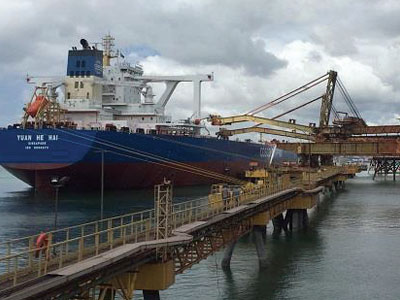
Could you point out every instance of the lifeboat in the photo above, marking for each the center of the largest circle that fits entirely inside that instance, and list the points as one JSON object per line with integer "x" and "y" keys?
{"x": 34, "y": 106}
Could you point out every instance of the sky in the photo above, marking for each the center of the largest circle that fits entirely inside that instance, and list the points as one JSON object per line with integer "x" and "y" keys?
{"x": 257, "y": 49}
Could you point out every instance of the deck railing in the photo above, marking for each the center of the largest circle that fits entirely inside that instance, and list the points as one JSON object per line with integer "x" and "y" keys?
{"x": 21, "y": 259}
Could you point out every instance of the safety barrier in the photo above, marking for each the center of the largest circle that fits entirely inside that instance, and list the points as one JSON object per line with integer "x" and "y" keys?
{"x": 21, "y": 259}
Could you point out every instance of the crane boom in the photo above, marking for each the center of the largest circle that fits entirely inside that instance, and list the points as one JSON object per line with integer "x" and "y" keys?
{"x": 348, "y": 128}
{"x": 219, "y": 121}
{"x": 229, "y": 132}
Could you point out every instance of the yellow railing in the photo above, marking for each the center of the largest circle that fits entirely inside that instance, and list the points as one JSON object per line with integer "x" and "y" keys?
{"x": 325, "y": 173}
{"x": 21, "y": 260}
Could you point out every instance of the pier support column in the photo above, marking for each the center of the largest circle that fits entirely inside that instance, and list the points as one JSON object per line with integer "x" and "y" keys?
{"x": 324, "y": 191}
{"x": 329, "y": 190}
{"x": 226, "y": 260}
{"x": 341, "y": 185}
{"x": 336, "y": 185}
{"x": 296, "y": 218}
{"x": 279, "y": 224}
{"x": 259, "y": 232}
{"x": 151, "y": 295}
{"x": 107, "y": 292}
{"x": 110, "y": 294}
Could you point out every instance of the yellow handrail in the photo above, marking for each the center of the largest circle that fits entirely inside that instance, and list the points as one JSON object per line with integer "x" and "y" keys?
{"x": 78, "y": 242}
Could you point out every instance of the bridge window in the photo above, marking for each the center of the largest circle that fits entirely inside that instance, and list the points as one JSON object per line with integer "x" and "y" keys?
{"x": 68, "y": 95}
{"x": 87, "y": 95}
{"x": 82, "y": 73}
{"x": 71, "y": 73}
{"x": 76, "y": 84}
{"x": 83, "y": 63}
{"x": 81, "y": 84}
{"x": 78, "y": 63}
{"x": 88, "y": 73}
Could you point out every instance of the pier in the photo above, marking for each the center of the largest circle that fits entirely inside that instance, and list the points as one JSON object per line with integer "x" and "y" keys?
{"x": 144, "y": 251}
{"x": 385, "y": 165}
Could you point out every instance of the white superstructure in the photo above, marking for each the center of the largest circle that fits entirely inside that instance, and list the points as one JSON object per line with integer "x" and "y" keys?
{"x": 122, "y": 96}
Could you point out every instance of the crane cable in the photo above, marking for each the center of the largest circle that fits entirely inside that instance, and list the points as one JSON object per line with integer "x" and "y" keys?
{"x": 289, "y": 95}
{"x": 348, "y": 99}
{"x": 203, "y": 148}
{"x": 209, "y": 175}
{"x": 165, "y": 161}
{"x": 296, "y": 108}
{"x": 145, "y": 160}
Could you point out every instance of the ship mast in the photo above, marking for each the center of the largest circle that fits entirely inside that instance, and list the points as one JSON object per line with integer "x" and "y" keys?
{"x": 108, "y": 44}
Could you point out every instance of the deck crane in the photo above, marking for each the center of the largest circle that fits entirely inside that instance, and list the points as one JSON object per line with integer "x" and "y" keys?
{"x": 347, "y": 131}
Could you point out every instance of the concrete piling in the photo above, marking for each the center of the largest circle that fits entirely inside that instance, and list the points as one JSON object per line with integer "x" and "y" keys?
{"x": 259, "y": 231}
{"x": 296, "y": 218}
{"x": 151, "y": 295}
{"x": 107, "y": 293}
{"x": 226, "y": 260}
{"x": 279, "y": 223}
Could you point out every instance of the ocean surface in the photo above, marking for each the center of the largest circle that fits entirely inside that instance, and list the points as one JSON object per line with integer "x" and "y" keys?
{"x": 350, "y": 250}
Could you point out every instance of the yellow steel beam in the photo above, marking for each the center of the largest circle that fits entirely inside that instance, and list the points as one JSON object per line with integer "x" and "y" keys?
{"x": 261, "y": 219}
{"x": 219, "y": 121}
{"x": 155, "y": 276}
{"x": 230, "y": 132}
{"x": 384, "y": 147}
{"x": 303, "y": 201}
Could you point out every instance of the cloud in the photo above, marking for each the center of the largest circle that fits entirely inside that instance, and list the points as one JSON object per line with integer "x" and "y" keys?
{"x": 189, "y": 34}
{"x": 258, "y": 50}
{"x": 237, "y": 93}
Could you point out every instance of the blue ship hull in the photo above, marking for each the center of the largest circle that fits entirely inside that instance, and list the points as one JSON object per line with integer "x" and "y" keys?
{"x": 131, "y": 160}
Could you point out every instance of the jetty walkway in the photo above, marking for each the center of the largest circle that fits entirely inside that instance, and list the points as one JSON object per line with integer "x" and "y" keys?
{"x": 145, "y": 250}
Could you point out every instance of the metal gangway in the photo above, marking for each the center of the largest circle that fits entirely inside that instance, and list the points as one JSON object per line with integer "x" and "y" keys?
{"x": 22, "y": 261}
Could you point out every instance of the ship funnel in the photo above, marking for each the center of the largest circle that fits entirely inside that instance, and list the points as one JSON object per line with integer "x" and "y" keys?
{"x": 85, "y": 44}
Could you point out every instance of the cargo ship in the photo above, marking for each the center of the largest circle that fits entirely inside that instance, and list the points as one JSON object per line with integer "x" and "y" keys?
{"x": 102, "y": 122}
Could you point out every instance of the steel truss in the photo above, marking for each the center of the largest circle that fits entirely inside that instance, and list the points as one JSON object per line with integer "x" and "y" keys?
{"x": 186, "y": 256}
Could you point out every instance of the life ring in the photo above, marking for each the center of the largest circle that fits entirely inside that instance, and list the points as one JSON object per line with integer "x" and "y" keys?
{"x": 41, "y": 244}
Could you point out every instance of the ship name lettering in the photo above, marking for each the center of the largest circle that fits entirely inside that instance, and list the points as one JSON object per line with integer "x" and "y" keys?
{"x": 53, "y": 137}
{"x": 40, "y": 137}
{"x": 24, "y": 137}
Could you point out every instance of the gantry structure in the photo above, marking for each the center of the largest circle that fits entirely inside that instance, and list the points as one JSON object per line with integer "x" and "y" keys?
{"x": 346, "y": 133}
